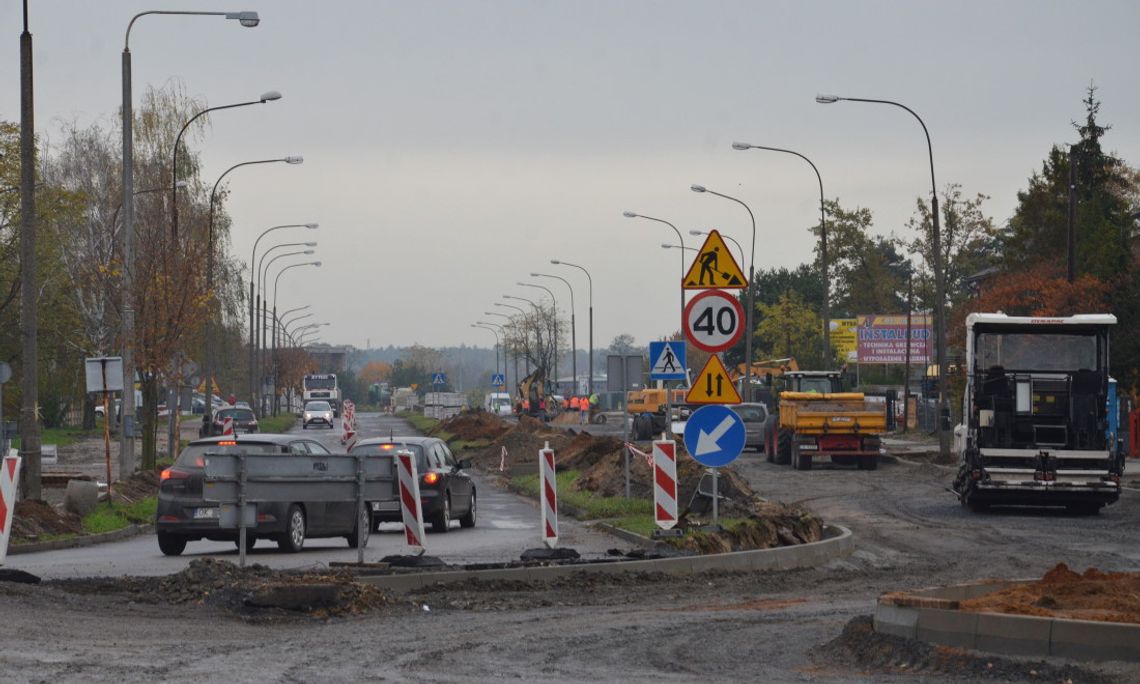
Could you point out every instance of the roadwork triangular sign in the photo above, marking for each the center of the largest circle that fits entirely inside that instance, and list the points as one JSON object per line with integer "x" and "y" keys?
{"x": 712, "y": 385}
{"x": 714, "y": 268}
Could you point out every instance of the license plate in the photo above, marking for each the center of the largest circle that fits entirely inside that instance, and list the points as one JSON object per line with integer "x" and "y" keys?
{"x": 386, "y": 505}
{"x": 206, "y": 513}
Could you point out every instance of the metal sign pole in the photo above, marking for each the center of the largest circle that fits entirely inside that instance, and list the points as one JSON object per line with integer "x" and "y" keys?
{"x": 106, "y": 428}
{"x": 361, "y": 521}
{"x": 715, "y": 474}
{"x": 241, "y": 510}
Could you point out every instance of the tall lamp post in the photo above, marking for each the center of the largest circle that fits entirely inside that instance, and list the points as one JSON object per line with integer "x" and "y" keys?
{"x": 503, "y": 331}
{"x": 127, "y": 439}
{"x": 939, "y": 285}
{"x": 537, "y": 316}
{"x": 554, "y": 303}
{"x": 630, "y": 214}
{"x": 573, "y": 326}
{"x": 487, "y": 326}
{"x": 825, "y": 275}
{"x": 750, "y": 292}
{"x": 276, "y": 281}
{"x": 263, "y": 287}
{"x": 254, "y": 271}
{"x": 207, "y": 368}
{"x": 590, "y": 281}
{"x": 526, "y": 359}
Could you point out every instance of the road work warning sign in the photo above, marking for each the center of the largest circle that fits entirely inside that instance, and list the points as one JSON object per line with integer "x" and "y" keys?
{"x": 712, "y": 385}
{"x": 714, "y": 268}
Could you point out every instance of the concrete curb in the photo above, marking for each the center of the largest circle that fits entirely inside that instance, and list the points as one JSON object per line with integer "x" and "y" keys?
{"x": 80, "y": 541}
{"x": 625, "y": 535}
{"x": 932, "y": 615}
{"x": 838, "y": 543}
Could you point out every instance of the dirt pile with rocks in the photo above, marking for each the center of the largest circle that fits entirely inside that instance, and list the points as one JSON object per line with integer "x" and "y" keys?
{"x": 36, "y": 520}
{"x": 1063, "y": 593}
{"x": 472, "y": 425}
{"x": 252, "y": 591}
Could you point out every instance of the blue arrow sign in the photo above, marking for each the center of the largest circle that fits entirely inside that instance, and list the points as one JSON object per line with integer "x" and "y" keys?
{"x": 498, "y": 379}
{"x": 439, "y": 378}
{"x": 667, "y": 360}
{"x": 714, "y": 435}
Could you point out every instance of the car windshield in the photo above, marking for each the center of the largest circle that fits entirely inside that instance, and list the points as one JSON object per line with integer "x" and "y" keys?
{"x": 318, "y": 406}
{"x": 821, "y": 385}
{"x": 390, "y": 448}
{"x": 314, "y": 382}
{"x": 1037, "y": 351}
{"x": 191, "y": 456}
{"x": 750, "y": 414}
{"x": 238, "y": 414}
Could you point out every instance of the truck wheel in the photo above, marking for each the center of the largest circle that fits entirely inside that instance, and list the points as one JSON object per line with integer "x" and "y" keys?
{"x": 783, "y": 447}
{"x": 800, "y": 461}
{"x": 869, "y": 463}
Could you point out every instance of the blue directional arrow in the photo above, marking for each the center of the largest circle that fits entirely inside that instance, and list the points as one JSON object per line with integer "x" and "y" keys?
{"x": 714, "y": 435}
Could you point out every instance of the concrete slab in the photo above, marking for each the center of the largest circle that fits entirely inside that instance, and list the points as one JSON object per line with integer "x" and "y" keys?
{"x": 1013, "y": 634}
{"x": 897, "y": 620}
{"x": 1092, "y": 640}
{"x": 947, "y": 627}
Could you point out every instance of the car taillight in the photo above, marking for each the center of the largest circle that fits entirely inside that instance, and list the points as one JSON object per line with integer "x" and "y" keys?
{"x": 227, "y": 443}
{"x": 431, "y": 478}
{"x": 173, "y": 474}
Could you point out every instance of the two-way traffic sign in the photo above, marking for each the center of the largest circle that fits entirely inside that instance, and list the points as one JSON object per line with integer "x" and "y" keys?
{"x": 667, "y": 360}
{"x": 712, "y": 385}
{"x": 714, "y": 436}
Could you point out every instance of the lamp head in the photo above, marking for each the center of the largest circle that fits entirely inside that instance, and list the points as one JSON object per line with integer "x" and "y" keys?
{"x": 317, "y": 264}
{"x": 555, "y": 261}
{"x": 665, "y": 245}
{"x": 312, "y": 226}
{"x": 535, "y": 275}
{"x": 741, "y": 146}
{"x": 270, "y": 95}
{"x": 310, "y": 244}
{"x": 629, "y": 214}
{"x": 246, "y": 19}
{"x": 696, "y": 232}
{"x": 309, "y": 251}
{"x": 697, "y": 188}
{"x": 294, "y": 158}
{"x": 827, "y": 99}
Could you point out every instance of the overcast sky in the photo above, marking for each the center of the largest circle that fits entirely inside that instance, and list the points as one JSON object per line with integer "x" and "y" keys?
{"x": 453, "y": 148}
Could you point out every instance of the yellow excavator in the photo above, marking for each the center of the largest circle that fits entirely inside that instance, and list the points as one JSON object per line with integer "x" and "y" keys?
{"x": 532, "y": 391}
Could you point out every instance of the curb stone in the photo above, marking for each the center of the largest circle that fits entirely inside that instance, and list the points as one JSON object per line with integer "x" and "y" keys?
{"x": 81, "y": 541}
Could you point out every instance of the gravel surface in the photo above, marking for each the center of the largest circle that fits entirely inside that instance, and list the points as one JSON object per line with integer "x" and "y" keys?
{"x": 762, "y": 626}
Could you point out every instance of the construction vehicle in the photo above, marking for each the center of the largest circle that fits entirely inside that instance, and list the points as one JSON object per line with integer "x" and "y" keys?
{"x": 648, "y": 408}
{"x": 817, "y": 419}
{"x": 1035, "y": 428}
{"x": 532, "y": 394}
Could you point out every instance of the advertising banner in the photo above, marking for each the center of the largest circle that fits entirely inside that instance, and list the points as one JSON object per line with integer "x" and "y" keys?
{"x": 843, "y": 338}
{"x": 882, "y": 339}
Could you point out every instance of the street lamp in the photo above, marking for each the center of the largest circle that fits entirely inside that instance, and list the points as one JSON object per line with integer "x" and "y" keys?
{"x": 939, "y": 285}
{"x": 750, "y": 292}
{"x": 496, "y": 334}
{"x": 276, "y": 281}
{"x": 554, "y": 303}
{"x": 537, "y": 331}
{"x": 127, "y": 440}
{"x": 826, "y": 277}
{"x": 253, "y": 308}
{"x": 590, "y": 381}
{"x": 207, "y": 340}
{"x": 502, "y": 330}
{"x": 630, "y": 214}
{"x": 573, "y": 328}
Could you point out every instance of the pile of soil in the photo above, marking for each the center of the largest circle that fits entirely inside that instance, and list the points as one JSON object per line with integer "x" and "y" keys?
{"x": 255, "y": 590}
{"x": 472, "y": 425}
{"x": 769, "y": 525}
{"x": 1063, "y": 593}
{"x": 872, "y": 652}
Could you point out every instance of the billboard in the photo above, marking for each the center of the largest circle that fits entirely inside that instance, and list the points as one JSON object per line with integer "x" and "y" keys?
{"x": 843, "y": 338}
{"x": 882, "y": 339}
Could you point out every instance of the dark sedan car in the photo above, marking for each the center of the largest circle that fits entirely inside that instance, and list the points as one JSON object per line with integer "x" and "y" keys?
{"x": 184, "y": 516}
{"x": 243, "y": 418}
{"x": 446, "y": 491}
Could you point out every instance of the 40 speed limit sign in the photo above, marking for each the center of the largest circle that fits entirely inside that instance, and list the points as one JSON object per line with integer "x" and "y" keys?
{"x": 714, "y": 320}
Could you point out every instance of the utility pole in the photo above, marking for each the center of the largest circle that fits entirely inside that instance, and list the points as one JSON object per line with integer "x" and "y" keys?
{"x": 29, "y": 315}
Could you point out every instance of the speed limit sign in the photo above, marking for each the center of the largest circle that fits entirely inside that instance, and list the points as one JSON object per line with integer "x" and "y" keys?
{"x": 714, "y": 320}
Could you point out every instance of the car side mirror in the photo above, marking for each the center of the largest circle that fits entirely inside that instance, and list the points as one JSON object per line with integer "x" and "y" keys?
{"x": 465, "y": 464}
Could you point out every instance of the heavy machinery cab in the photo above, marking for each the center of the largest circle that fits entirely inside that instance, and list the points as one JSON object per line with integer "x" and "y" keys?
{"x": 823, "y": 382}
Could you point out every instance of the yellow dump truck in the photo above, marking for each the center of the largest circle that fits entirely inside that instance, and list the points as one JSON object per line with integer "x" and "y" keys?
{"x": 648, "y": 409}
{"x": 843, "y": 426}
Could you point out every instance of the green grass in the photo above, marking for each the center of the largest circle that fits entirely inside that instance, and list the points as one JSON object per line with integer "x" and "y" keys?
{"x": 276, "y": 424}
{"x": 422, "y": 423}
{"x": 461, "y": 445}
{"x": 107, "y": 518}
{"x": 66, "y": 436}
{"x": 589, "y": 505}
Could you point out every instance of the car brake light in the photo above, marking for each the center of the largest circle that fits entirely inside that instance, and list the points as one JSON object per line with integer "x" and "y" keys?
{"x": 387, "y": 447}
{"x": 431, "y": 478}
{"x": 227, "y": 443}
{"x": 174, "y": 474}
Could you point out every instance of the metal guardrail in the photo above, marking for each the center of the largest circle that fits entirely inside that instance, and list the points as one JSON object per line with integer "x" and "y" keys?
{"x": 239, "y": 481}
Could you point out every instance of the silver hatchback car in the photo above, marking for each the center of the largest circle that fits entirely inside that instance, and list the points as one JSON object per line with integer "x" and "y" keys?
{"x": 317, "y": 413}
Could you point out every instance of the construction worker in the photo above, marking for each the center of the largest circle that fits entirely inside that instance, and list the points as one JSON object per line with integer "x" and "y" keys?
{"x": 593, "y": 405}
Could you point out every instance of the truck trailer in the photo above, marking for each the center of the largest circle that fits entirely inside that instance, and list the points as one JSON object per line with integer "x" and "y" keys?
{"x": 1035, "y": 428}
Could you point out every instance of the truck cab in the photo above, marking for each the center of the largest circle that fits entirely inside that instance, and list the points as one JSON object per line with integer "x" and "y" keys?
{"x": 1035, "y": 427}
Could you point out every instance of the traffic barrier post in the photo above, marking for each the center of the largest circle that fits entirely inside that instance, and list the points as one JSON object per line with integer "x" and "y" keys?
{"x": 548, "y": 495}
{"x": 410, "y": 510}
{"x": 665, "y": 483}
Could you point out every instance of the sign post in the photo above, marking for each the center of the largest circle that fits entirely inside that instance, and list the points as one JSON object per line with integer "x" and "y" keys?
{"x": 105, "y": 375}
{"x": 667, "y": 362}
{"x": 714, "y": 437}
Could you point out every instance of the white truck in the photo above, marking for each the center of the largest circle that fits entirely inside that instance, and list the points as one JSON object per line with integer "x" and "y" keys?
{"x": 322, "y": 387}
{"x": 1035, "y": 427}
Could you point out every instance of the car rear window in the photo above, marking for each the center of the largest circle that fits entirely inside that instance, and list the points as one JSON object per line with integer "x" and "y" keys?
{"x": 191, "y": 456}
{"x": 390, "y": 448}
{"x": 749, "y": 414}
{"x": 236, "y": 414}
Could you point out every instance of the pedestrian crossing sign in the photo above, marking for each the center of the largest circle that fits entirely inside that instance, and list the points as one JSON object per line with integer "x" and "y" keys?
{"x": 498, "y": 380}
{"x": 667, "y": 360}
{"x": 714, "y": 267}
{"x": 439, "y": 378}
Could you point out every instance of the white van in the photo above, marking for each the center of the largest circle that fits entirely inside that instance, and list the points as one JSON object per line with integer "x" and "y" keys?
{"x": 498, "y": 403}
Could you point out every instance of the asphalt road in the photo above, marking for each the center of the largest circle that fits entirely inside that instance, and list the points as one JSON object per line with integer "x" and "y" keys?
{"x": 507, "y": 525}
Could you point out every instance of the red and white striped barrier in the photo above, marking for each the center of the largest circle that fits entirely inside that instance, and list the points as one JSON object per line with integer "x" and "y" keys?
{"x": 348, "y": 433}
{"x": 503, "y": 459}
{"x": 665, "y": 483}
{"x": 349, "y": 411}
{"x": 9, "y": 480}
{"x": 548, "y": 496}
{"x": 634, "y": 450}
{"x": 227, "y": 426}
{"x": 410, "y": 510}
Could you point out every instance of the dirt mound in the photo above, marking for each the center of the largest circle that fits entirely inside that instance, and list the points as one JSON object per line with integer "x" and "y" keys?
{"x": 873, "y": 652}
{"x": 34, "y": 520}
{"x": 1063, "y": 593}
{"x": 252, "y": 591}
{"x": 771, "y": 524}
{"x": 472, "y": 425}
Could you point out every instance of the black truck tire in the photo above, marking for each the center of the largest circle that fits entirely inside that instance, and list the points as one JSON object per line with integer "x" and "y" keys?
{"x": 783, "y": 447}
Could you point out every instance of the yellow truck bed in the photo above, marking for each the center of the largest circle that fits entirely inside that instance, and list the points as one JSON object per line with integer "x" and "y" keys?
{"x": 848, "y": 413}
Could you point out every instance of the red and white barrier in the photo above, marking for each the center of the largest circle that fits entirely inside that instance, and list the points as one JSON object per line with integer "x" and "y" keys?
{"x": 410, "y": 509}
{"x": 638, "y": 452}
{"x": 348, "y": 431}
{"x": 227, "y": 426}
{"x": 9, "y": 480}
{"x": 503, "y": 459}
{"x": 349, "y": 412}
{"x": 665, "y": 483}
{"x": 548, "y": 495}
